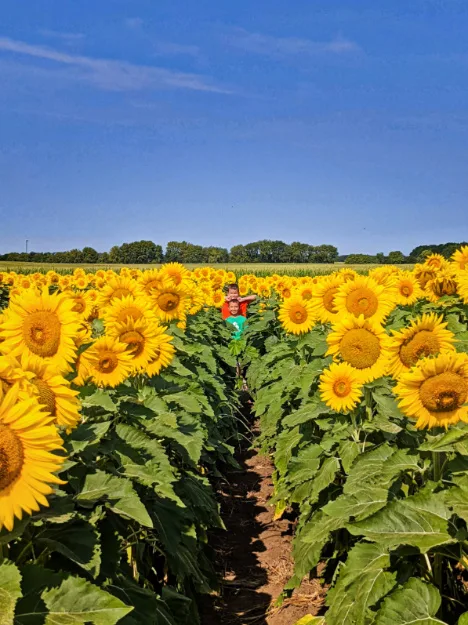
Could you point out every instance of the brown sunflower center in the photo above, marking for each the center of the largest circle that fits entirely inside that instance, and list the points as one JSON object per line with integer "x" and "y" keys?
{"x": 168, "y": 301}
{"x": 298, "y": 314}
{"x": 135, "y": 342}
{"x": 362, "y": 301}
{"x": 130, "y": 311}
{"x": 421, "y": 345}
{"x": 11, "y": 457}
{"x": 120, "y": 293}
{"x": 107, "y": 362}
{"x": 41, "y": 333}
{"x": 446, "y": 286}
{"x": 406, "y": 289}
{"x": 341, "y": 388}
{"x": 307, "y": 294}
{"x": 328, "y": 299}
{"x": 360, "y": 348}
{"x": 79, "y": 305}
{"x": 46, "y": 396}
{"x": 286, "y": 293}
{"x": 444, "y": 392}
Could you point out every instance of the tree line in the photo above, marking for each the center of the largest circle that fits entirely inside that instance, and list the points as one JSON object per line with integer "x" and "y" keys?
{"x": 417, "y": 255}
{"x": 264, "y": 251}
{"x": 146, "y": 252}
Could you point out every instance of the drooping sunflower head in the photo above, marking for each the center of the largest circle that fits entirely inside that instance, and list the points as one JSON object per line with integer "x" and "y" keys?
{"x": 426, "y": 336}
{"x": 424, "y": 273}
{"x": 296, "y": 315}
{"x": 435, "y": 391}
{"x": 340, "y": 387}
{"x": 361, "y": 343}
{"x": 27, "y": 462}
{"x": 407, "y": 289}
{"x": 444, "y": 283}
{"x": 323, "y": 297}
{"x": 43, "y": 325}
{"x": 107, "y": 362}
{"x": 364, "y": 296}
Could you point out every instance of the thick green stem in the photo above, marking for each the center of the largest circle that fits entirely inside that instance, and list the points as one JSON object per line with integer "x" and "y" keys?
{"x": 437, "y": 461}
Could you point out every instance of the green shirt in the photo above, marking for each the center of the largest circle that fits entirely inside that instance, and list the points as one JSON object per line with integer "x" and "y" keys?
{"x": 239, "y": 324}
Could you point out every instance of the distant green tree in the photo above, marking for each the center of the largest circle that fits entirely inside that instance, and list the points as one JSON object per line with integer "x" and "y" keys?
{"x": 380, "y": 257}
{"x": 360, "y": 259}
{"x": 89, "y": 255}
{"x": 396, "y": 258}
{"x": 238, "y": 254}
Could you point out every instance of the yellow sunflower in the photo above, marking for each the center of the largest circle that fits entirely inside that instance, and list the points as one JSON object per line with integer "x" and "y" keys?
{"x": 169, "y": 301}
{"x": 407, "y": 289}
{"x": 163, "y": 353}
{"x": 218, "y": 298}
{"x": 340, "y": 387}
{"x": 107, "y": 362}
{"x": 460, "y": 258}
{"x": 435, "y": 261}
{"x": 116, "y": 288}
{"x": 140, "y": 338}
{"x": 463, "y": 288}
{"x": 129, "y": 307}
{"x": 27, "y": 464}
{"x": 82, "y": 303}
{"x": 42, "y": 325}
{"x": 151, "y": 281}
{"x": 364, "y": 296}
{"x": 53, "y": 392}
{"x": 296, "y": 315}
{"x": 435, "y": 391}
{"x": 175, "y": 272}
{"x": 10, "y": 373}
{"x": 426, "y": 336}
{"x": 323, "y": 297}
{"x": 361, "y": 343}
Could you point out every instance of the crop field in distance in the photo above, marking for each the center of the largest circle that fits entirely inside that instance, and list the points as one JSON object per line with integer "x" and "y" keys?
{"x": 260, "y": 269}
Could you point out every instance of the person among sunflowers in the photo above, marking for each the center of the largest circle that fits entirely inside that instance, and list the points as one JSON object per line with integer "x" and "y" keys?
{"x": 235, "y": 319}
{"x": 233, "y": 294}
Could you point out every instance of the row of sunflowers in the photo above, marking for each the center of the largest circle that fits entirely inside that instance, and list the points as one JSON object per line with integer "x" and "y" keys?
{"x": 117, "y": 402}
{"x": 361, "y": 389}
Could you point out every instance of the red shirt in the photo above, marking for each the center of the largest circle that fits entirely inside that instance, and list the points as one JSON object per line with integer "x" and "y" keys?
{"x": 242, "y": 309}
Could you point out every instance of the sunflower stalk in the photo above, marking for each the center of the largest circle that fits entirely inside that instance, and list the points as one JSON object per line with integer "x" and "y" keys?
{"x": 437, "y": 462}
{"x": 369, "y": 403}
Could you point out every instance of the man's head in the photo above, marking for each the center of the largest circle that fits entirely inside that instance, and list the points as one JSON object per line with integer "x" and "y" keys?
{"x": 234, "y": 307}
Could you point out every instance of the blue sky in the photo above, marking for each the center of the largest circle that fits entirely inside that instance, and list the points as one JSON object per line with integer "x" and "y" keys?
{"x": 225, "y": 122}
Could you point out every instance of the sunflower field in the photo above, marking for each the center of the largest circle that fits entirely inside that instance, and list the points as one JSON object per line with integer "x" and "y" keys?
{"x": 119, "y": 405}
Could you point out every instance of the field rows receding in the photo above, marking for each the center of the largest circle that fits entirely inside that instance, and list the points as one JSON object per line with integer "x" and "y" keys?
{"x": 263, "y": 269}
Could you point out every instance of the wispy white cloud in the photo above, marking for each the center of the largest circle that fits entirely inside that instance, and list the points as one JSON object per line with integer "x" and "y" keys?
{"x": 174, "y": 49}
{"x": 113, "y": 75}
{"x": 280, "y": 47}
{"x": 66, "y": 37}
{"x": 135, "y": 23}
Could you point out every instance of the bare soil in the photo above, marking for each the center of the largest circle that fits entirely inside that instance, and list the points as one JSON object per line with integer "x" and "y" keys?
{"x": 254, "y": 554}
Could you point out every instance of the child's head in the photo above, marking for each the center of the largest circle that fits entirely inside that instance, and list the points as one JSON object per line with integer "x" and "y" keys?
{"x": 233, "y": 290}
{"x": 234, "y": 307}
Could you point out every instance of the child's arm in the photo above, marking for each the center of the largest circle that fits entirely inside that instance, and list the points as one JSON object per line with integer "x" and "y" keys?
{"x": 249, "y": 298}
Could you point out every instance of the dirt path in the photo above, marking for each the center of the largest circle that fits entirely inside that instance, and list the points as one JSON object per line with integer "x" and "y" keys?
{"x": 254, "y": 555}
